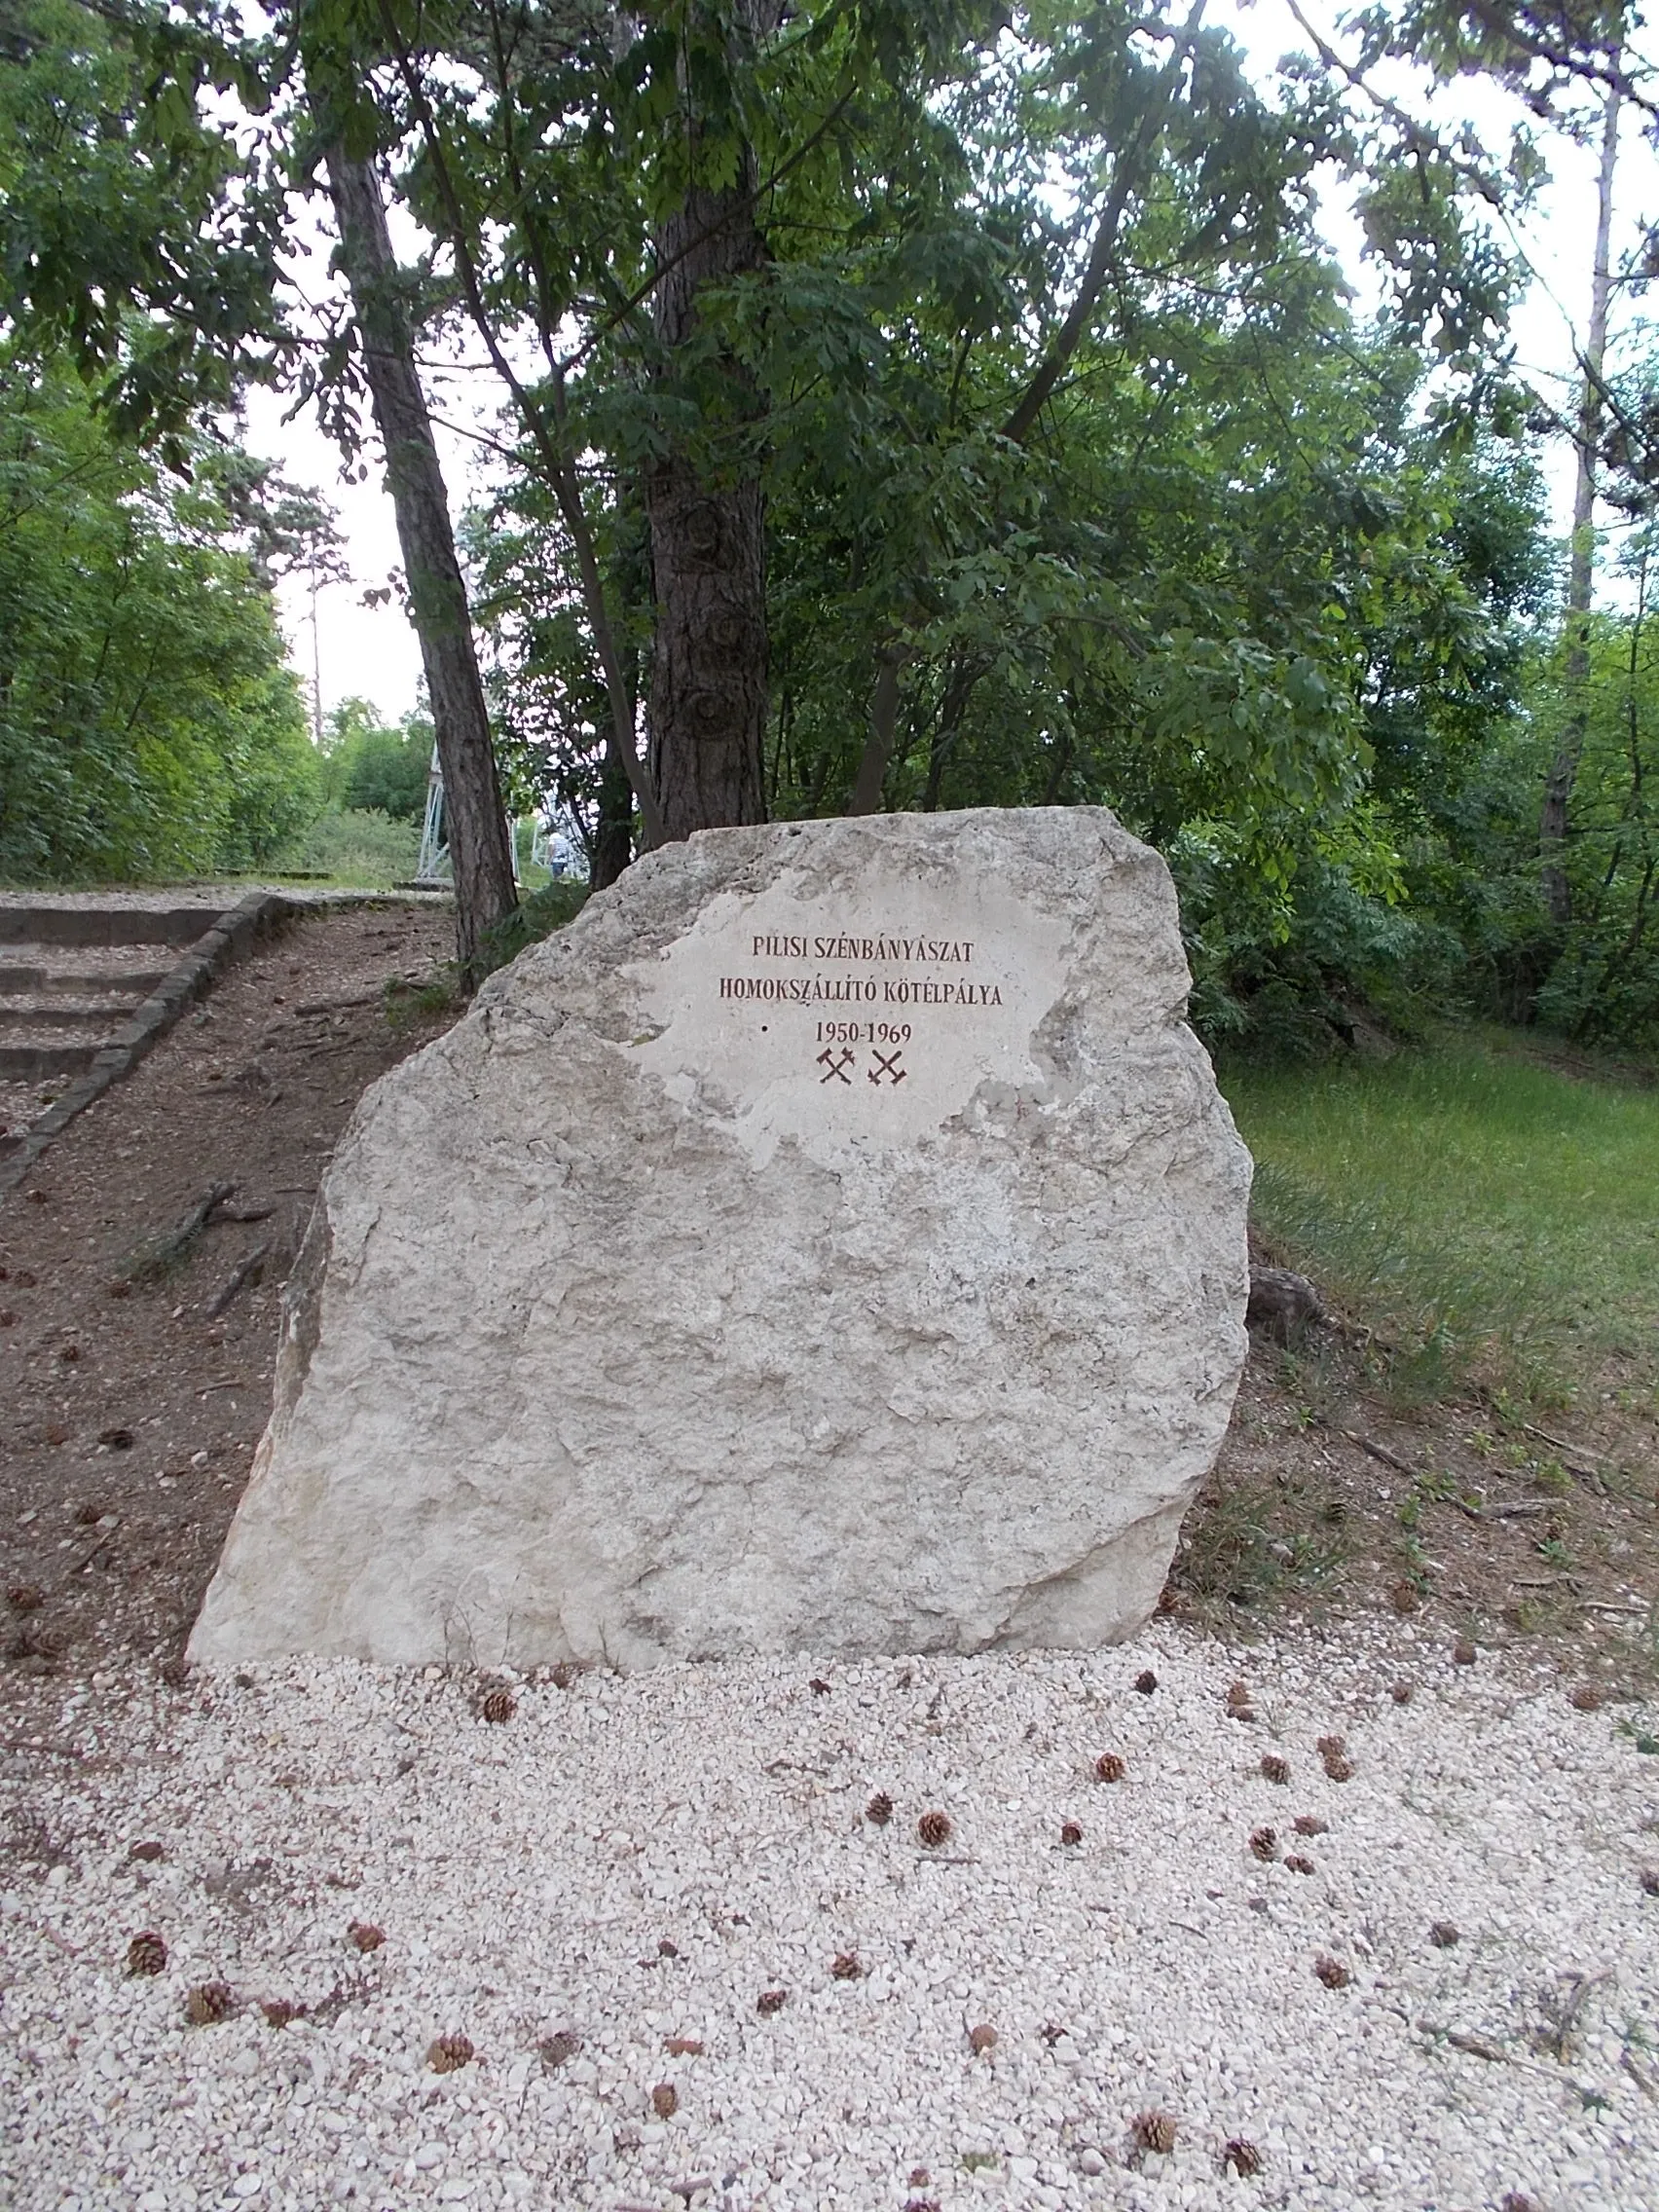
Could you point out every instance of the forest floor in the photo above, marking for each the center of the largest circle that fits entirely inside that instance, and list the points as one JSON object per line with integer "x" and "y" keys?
{"x": 132, "y": 1393}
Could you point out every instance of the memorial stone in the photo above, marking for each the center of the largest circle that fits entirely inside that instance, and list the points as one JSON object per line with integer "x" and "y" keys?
{"x": 832, "y": 1242}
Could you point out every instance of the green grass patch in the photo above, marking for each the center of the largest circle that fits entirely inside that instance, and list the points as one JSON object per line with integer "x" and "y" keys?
{"x": 1473, "y": 1208}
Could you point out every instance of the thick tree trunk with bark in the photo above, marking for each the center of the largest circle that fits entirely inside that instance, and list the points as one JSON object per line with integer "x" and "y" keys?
{"x": 480, "y": 852}
{"x": 613, "y": 830}
{"x": 1563, "y": 769}
{"x": 708, "y": 695}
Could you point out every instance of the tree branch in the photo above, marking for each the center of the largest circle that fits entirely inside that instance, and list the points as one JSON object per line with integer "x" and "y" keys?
{"x": 560, "y": 475}
{"x": 1126, "y": 174}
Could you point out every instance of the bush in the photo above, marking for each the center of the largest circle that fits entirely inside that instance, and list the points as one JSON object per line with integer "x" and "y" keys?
{"x": 356, "y": 845}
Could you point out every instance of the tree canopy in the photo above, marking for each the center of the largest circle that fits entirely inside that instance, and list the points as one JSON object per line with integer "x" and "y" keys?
{"x": 932, "y": 405}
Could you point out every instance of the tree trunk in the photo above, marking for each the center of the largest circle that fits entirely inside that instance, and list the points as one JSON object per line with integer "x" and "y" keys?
{"x": 1563, "y": 769}
{"x": 883, "y": 722}
{"x": 708, "y": 696}
{"x": 612, "y": 846}
{"x": 480, "y": 853}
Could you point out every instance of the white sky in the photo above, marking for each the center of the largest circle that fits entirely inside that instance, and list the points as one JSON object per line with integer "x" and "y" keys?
{"x": 371, "y": 652}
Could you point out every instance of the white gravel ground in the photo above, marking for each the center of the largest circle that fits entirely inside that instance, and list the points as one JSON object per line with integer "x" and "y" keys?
{"x": 632, "y": 1860}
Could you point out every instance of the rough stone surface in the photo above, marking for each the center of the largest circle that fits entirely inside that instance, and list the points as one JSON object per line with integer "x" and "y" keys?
{"x": 649, "y": 1314}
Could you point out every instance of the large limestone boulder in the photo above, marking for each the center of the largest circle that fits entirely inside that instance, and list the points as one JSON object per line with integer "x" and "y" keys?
{"x": 832, "y": 1242}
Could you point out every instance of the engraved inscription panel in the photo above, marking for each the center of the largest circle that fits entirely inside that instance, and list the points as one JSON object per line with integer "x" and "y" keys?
{"x": 867, "y": 1019}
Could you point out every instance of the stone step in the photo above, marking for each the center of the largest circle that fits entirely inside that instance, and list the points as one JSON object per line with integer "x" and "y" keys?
{"x": 47, "y": 923}
{"x": 98, "y": 1015}
{"x": 34, "y": 1057}
{"x": 20, "y": 982}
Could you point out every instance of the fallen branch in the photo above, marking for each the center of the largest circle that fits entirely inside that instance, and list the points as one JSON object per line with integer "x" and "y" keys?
{"x": 1477, "y": 2046}
{"x": 340, "y": 1006}
{"x": 1562, "y": 1445}
{"x": 1380, "y": 1452}
{"x": 157, "y": 1254}
{"x": 239, "y": 1276}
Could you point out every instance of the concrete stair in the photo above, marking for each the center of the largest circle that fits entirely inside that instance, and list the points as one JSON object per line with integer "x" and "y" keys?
{"x": 79, "y": 983}
{"x": 73, "y": 985}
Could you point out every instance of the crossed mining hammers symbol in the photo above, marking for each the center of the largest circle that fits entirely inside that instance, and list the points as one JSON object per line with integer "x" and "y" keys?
{"x": 834, "y": 1067}
{"x": 888, "y": 1066}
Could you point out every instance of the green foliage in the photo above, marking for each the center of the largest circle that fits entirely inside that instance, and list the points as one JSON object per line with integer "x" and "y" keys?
{"x": 370, "y": 764}
{"x": 356, "y": 846}
{"x": 1603, "y": 984}
{"x": 1469, "y": 1204}
{"x": 148, "y": 723}
{"x": 533, "y": 918}
{"x": 1082, "y": 483}
{"x": 1174, "y": 595}
{"x": 122, "y": 190}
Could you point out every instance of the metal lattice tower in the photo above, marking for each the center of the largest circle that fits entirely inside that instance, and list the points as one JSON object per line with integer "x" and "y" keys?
{"x": 433, "y": 869}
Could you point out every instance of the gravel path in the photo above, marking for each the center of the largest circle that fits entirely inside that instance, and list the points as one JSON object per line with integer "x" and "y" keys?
{"x": 622, "y": 1863}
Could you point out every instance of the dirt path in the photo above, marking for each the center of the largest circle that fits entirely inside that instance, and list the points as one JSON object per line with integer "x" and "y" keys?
{"x": 127, "y": 1412}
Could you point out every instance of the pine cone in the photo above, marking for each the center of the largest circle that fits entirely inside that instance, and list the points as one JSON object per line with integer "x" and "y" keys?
{"x": 448, "y": 2055}
{"x": 1332, "y": 1747}
{"x": 934, "y": 1828}
{"x": 1146, "y": 1683}
{"x": 1242, "y": 2158}
{"x": 565, "y": 1674}
{"x": 1155, "y": 2132}
{"x": 26, "y": 1597}
{"x": 1339, "y": 1769}
{"x": 146, "y": 1954}
{"x": 1405, "y": 1598}
{"x": 1332, "y": 1973}
{"x": 665, "y": 2100}
{"x": 1275, "y": 1768}
{"x": 1070, "y": 1833}
{"x": 498, "y": 1706}
{"x": 771, "y": 2001}
{"x": 1298, "y": 1865}
{"x": 1109, "y": 1768}
{"x": 1237, "y": 1697}
{"x": 1402, "y": 1693}
{"x": 846, "y": 1967}
{"x": 879, "y": 1811}
{"x": 147, "y": 1853}
{"x": 279, "y": 2011}
{"x": 1650, "y": 1880}
{"x": 210, "y": 2001}
{"x": 1310, "y": 1823}
{"x": 1464, "y": 1653}
{"x": 559, "y": 2047}
{"x": 683, "y": 2047}
{"x": 1586, "y": 1698}
{"x": 1264, "y": 1843}
{"x": 982, "y": 2037}
{"x": 1443, "y": 1936}
{"x": 365, "y": 1934}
